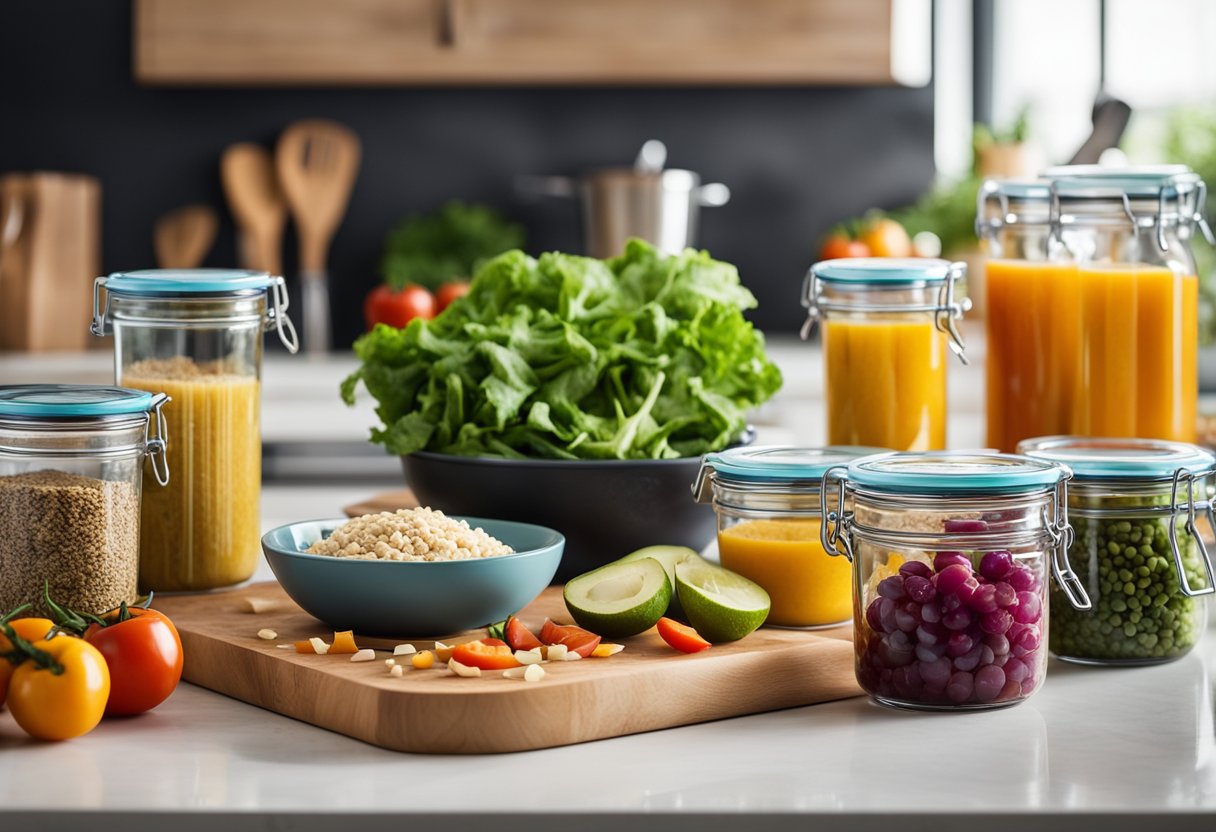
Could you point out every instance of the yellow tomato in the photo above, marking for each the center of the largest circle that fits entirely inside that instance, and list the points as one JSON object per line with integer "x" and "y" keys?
{"x": 64, "y": 700}
{"x": 30, "y": 629}
{"x": 887, "y": 238}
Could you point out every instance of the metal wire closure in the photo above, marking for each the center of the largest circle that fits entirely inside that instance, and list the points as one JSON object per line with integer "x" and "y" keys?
{"x": 1182, "y": 477}
{"x": 100, "y": 315}
{"x": 1060, "y": 531}
{"x": 277, "y": 316}
{"x": 946, "y": 311}
{"x": 157, "y": 444}
{"x": 1169, "y": 203}
{"x": 835, "y": 531}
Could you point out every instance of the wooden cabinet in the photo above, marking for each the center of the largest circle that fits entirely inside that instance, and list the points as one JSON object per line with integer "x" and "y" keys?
{"x": 426, "y": 42}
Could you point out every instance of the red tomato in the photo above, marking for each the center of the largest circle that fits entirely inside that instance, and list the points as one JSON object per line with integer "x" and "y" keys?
{"x": 681, "y": 636}
{"x": 838, "y": 245}
{"x": 144, "y": 655}
{"x": 519, "y": 636}
{"x": 448, "y": 292}
{"x": 575, "y": 638}
{"x": 488, "y": 654}
{"x": 384, "y": 306}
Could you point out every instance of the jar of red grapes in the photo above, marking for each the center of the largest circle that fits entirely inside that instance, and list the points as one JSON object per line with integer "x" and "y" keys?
{"x": 951, "y": 556}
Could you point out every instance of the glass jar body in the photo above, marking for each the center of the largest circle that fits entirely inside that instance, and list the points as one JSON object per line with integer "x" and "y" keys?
{"x": 202, "y": 531}
{"x": 69, "y": 511}
{"x": 1092, "y": 325}
{"x": 950, "y": 599}
{"x": 885, "y": 378}
{"x": 1123, "y": 553}
{"x": 770, "y": 534}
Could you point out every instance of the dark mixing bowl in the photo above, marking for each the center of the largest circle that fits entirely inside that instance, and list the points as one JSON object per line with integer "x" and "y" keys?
{"x": 606, "y": 509}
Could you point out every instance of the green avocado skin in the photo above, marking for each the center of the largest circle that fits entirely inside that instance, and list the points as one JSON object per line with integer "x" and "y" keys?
{"x": 619, "y": 625}
{"x": 1139, "y": 615}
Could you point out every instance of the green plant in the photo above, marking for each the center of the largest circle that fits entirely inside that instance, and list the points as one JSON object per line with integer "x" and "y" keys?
{"x": 446, "y": 244}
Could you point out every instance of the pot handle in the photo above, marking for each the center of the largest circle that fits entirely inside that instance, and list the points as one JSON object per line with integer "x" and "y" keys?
{"x": 530, "y": 186}
{"x": 713, "y": 195}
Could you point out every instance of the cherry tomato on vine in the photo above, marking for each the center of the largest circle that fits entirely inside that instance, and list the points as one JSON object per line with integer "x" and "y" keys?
{"x": 144, "y": 653}
{"x": 62, "y": 692}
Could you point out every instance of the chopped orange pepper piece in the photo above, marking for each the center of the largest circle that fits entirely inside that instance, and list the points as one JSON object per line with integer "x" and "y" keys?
{"x": 304, "y": 647}
{"x": 344, "y": 642}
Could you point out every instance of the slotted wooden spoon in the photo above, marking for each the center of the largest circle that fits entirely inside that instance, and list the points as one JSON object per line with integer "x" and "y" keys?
{"x": 183, "y": 236}
{"x": 252, "y": 186}
{"x": 317, "y": 161}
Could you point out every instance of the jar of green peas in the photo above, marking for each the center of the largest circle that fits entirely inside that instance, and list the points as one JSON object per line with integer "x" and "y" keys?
{"x": 1134, "y": 506}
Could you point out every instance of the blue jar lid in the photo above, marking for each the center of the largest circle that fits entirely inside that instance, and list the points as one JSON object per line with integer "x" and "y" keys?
{"x": 940, "y": 473}
{"x": 188, "y": 282}
{"x": 1027, "y": 189}
{"x": 1144, "y": 181}
{"x": 58, "y": 400}
{"x": 1102, "y": 458}
{"x": 883, "y": 271}
{"x": 785, "y": 463}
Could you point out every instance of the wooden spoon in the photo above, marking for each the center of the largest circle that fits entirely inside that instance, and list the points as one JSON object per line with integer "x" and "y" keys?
{"x": 257, "y": 203}
{"x": 317, "y": 161}
{"x": 184, "y": 236}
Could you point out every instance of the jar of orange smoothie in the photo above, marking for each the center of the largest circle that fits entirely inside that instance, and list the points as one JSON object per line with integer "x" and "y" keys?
{"x": 769, "y": 512}
{"x": 196, "y": 335}
{"x": 887, "y": 324}
{"x": 1093, "y": 303}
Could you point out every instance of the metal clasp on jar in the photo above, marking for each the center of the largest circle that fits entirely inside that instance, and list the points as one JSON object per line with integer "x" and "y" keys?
{"x": 1060, "y": 531}
{"x": 1182, "y": 477}
{"x": 157, "y": 444}
{"x": 835, "y": 530}
{"x": 277, "y": 318}
{"x": 101, "y": 314}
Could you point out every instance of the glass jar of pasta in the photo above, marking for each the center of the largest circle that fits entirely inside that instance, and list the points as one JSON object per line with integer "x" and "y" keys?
{"x": 197, "y": 336}
{"x": 886, "y": 323}
{"x": 1134, "y": 504}
{"x": 951, "y": 553}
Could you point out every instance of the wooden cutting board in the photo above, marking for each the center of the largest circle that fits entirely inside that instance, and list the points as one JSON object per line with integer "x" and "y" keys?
{"x": 647, "y": 687}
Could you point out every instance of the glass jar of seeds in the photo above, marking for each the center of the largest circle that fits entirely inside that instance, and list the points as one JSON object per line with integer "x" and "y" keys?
{"x": 71, "y": 470}
{"x": 1134, "y": 505}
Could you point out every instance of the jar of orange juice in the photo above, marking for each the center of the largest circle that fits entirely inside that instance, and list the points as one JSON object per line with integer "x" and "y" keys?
{"x": 196, "y": 335}
{"x": 887, "y": 323}
{"x": 1093, "y": 328}
{"x": 768, "y": 507}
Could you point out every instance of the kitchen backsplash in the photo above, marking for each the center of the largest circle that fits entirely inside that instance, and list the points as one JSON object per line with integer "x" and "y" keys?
{"x": 796, "y": 159}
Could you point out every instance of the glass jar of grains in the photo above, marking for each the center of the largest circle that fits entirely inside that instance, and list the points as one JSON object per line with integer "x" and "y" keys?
{"x": 197, "y": 335}
{"x": 950, "y": 554}
{"x": 1133, "y": 503}
{"x": 71, "y": 471}
{"x": 768, "y": 508}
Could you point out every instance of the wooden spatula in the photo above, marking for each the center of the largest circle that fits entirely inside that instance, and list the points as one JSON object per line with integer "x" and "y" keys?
{"x": 184, "y": 236}
{"x": 317, "y": 161}
{"x": 256, "y": 200}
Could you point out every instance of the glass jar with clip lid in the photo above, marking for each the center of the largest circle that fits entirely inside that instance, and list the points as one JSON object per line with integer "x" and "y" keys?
{"x": 1134, "y": 504}
{"x": 887, "y": 323}
{"x": 951, "y": 553}
{"x": 196, "y": 334}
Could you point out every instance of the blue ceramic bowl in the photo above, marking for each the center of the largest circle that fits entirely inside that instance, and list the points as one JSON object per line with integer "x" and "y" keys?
{"x": 408, "y": 598}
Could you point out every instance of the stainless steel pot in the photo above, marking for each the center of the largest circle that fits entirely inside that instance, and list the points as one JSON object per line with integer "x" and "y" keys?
{"x": 646, "y": 201}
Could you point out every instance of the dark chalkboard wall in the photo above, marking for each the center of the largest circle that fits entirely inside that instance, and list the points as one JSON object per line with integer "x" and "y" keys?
{"x": 796, "y": 159}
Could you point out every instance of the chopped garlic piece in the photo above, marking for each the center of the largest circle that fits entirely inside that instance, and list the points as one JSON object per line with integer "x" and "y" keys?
{"x": 404, "y": 650}
{"x": 260, "y": 605}
{"x": 533, "y": 673}
{"x": 397, "y": 670}
{"x": 463, "y": 670}
{"x": 364, "y": 655}
{"x": 570, "y": 656}
{"x": 267, "y": 634}
{"x": 528, "y": 657}
{"x": 556, "y": 652}
{"x": 319, "y": 647}
{"x": 514, "y": 673}
{"x": 605, "y": 649}
{"x": 286, "y": 646}
{"x": 390, "y": 663}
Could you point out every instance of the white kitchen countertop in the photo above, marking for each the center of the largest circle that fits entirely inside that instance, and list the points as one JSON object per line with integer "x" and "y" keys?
{"x": 1093, "y": 745}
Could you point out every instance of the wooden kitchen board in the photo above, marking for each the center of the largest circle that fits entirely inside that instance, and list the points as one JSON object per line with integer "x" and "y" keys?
{"x": 647, "y": 687}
